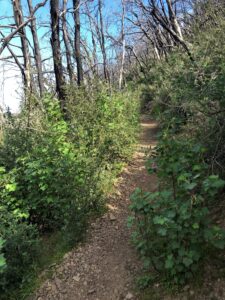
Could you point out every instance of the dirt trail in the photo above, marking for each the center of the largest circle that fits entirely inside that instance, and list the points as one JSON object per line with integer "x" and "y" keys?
{"x": 104, "y": 267}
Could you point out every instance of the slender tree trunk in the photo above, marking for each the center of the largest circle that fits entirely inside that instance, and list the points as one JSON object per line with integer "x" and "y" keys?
{"x": 173, "y": 20}
{"x": 94, "y": 55}
{"x": 95, "y": 59}
{"x": 77, "y": 43}
{"x": 123, "y": 45}
{"x": 37, "y": 52}
{"x": 156, "y": 53}
{"x": 102, "y": 42}
{"x": 67, "y": 43}
{"x": 174, "y": 34}
{"x": 18, "y": 15}
{"x": 57, "y": 57}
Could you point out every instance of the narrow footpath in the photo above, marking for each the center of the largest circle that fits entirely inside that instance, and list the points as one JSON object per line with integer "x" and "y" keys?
{"x": 105, "y": 266}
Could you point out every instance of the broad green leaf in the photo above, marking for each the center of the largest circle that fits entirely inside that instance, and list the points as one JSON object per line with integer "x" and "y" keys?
{"x": 187, "y": 261}
{"x": 169, "y": 262}
{"x": 11, "y": 187}
{"x": 162, "y": 231}
{"x": 159, "y": 220}
{"x": 195, "y": 226}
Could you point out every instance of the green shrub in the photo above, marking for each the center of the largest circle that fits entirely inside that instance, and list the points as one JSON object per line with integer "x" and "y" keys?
{"x": 54, "y": 173}
{"x": 20, "y": 249}
{"x": 188, "y": 97}
{"x": 173, "y": 228}
{"x": 173, "y": 225}
{"x": 106, "y": 120}
{"x": 104, "y": 125}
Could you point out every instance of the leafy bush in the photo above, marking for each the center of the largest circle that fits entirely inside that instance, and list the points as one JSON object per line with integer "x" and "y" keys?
{"x": 173, "y": 227}
{"x": 108, "y": 120}
{"x": 20, "y": 249}
{"x": 104, "y": 124}
{"x": 54, "y": 173}
{"x": 188, "y": 97}
{"x": 47, "y": 193}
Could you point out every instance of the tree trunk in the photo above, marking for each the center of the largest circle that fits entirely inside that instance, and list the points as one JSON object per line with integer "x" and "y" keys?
{"x": 174, "y": 34}
{"x": 123, "y": 46}
{"x": 102, "y": 42}
{"x": 37, "y": 52}
{"x": 94, "y": 52}
{"x": 77, "y": 43}
{"x": 19, "y": 20}
{"x": 57, "y": 57}
{"x": 173, "y": 20}
{"x": 67, "y": 43}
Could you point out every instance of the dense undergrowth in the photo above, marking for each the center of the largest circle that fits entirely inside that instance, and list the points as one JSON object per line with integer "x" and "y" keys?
{"x": 174, "y": 229}
{"x": 55, "y": 174}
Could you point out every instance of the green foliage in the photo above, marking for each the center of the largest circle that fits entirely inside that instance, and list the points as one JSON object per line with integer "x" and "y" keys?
{"x": 2, "y": 258}
{"x": 20, "y": 249}
{"x": 104, "y": 124}
{"x": 54, "y": 173}
{"x": 173, "y": 228}
{"x": 188, "y": 98}
{"x": 47, "y": 193}
{"x": 173, "y": 225}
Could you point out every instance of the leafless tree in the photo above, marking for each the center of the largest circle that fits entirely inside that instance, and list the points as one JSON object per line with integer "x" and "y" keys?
{"x": 77, "y": 41}
{"x": 92, "y": 27}
{"x": 56, "y": 51}
{"x": 37, "y": 52}
{"x": 66, "y": 39}
{"x": 19, "y": 20}
{"x": 123, "y": 44}
{"x": 101, "y": 34}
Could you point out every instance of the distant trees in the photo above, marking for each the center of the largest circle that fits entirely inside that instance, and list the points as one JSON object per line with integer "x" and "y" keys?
{"x": 89, "y": 42}
{"x": 18, "y": 29}
{"x": 159, "y": 23}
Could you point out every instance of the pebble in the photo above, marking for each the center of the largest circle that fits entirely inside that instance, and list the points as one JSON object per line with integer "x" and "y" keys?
{"x": 76, "y": 278}
{"x": 129, "y": 296}
{"x": 92, "y": 291}
{"x": 186, "y": 288}
{"x": 112, "y": 217}
{"x": 66, "y": 255}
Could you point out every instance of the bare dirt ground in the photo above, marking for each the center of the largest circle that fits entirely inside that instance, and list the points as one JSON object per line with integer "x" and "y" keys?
{"x": 105, "y": 266}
